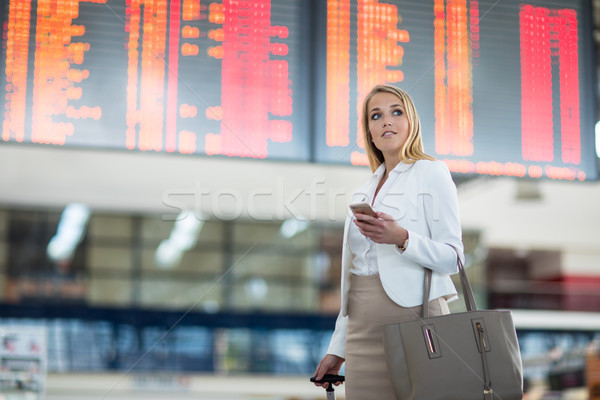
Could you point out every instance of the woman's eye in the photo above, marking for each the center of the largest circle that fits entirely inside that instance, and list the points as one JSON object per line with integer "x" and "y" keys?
{"x": 375, "y": 116}
{"x": 397, "y": 112}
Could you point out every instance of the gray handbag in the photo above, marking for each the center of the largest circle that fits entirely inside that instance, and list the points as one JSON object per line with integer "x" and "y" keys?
{"x": 463, "y": 356}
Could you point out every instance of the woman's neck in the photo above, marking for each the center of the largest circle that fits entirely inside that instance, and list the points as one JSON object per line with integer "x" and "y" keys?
{"x": 390, "y": 164}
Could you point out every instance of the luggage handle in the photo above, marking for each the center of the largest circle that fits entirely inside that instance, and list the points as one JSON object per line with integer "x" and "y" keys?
{"x": 329, "y": 378}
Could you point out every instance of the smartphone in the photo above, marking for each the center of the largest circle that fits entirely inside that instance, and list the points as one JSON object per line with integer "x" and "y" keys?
{"x": 363, "y": 208}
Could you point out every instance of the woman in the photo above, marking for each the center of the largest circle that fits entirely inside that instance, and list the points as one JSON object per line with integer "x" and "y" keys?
{"x": 383, "y": 257}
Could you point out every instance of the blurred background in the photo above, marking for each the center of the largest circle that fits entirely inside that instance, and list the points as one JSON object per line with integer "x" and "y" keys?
{"x": 176, "y": 174}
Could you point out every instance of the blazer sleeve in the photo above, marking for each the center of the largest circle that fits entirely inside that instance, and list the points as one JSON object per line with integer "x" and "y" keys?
{"x": 337, "y": 345}
{"x": 438, "y": 200}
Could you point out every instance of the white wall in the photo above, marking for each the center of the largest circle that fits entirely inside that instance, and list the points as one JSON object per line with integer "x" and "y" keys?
{"x": 159, "y": 183}
{"x": 135, "y": 385}
{"x": 566, "y": 217}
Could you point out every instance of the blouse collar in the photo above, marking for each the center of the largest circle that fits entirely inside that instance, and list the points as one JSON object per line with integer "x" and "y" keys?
{"x": 398, "y": 169}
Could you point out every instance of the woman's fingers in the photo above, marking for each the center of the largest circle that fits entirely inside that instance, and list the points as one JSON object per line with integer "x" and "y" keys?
{"x": 330, "y": 364}
{"x": 380, "y": 230}
{"x": 370, "y": 227}
{"x": 384, "y": 216}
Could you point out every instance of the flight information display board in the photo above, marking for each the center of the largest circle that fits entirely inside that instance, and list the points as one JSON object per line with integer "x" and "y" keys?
{"x": 503, "y": 87}
{"x": 188, "y": 76}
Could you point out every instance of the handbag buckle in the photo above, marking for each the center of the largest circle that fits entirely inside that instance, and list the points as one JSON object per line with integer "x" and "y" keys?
{"x": 488, "y": 394}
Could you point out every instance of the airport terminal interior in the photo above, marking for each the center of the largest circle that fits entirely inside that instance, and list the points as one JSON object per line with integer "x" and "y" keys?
{"x": 176, "y": 176}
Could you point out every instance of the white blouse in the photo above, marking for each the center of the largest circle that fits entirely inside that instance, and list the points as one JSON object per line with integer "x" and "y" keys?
{"x": 364, "y": 252}
{"x": 364, "y": 255}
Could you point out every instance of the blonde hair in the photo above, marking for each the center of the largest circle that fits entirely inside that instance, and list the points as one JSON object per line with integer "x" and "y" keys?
{"x": 412, "y": 150}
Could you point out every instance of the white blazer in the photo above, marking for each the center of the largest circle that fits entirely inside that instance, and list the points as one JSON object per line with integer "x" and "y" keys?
{"x": 423, "y": 200}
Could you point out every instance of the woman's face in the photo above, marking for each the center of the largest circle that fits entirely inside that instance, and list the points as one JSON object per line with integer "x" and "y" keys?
{"x": 388, "y": 123}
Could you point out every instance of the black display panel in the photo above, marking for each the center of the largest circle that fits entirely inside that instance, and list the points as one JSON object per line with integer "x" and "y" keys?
{"x": 502, "y": 87}
{"x": 178, "y": 76}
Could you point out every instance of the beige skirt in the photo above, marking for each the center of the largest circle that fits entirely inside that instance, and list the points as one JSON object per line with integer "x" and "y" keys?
{"x": 369, "y": 309}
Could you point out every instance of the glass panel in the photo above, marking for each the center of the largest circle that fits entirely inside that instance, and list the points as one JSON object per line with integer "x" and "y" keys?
{"x": 272, "y": 263}
{"x": 212, "y": 232}
{"x": 3, "y": 224}
{"x": 102, "y": 227}
{"x": 102, "y": 291}
{"x": 300, "y": 234}
{"x": 110, "y": 258}
{"x": 193, "y": 348}
{"x": 3, "y": 255}
{"x": 28, "y": 235}
{"x": 155, "y": 229}
{"x": 269, "y": 295}
{"x": 291, "y": 351}
{"x": 200, "y": 262}
{"x": 234, "y": 350}
{"x": 182, "y": 294}
{"x": 3, "y": 251}
{"x": 229, "y": 265}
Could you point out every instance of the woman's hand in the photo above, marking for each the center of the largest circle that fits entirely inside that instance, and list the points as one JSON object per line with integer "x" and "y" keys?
{"x": 381, "y": 230}
{"x": 330, "y": 364}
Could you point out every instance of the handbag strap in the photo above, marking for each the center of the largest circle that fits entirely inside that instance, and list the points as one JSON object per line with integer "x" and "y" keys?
{"x": 464, "y": 281}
